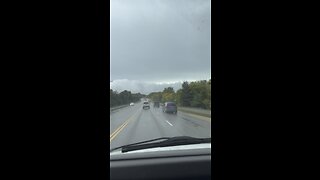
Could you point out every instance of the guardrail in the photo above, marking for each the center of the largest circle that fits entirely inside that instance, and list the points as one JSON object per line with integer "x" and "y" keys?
{"x": 197, "y": 111}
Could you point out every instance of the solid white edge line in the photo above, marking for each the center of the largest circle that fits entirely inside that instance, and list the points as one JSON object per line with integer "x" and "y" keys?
{"x": 169, "y": 123}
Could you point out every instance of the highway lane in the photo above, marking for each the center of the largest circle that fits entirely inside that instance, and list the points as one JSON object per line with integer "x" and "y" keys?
{"x": 133, "y": 124}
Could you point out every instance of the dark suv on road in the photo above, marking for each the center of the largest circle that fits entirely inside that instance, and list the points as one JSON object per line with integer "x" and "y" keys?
{"x": 170, "y": 107}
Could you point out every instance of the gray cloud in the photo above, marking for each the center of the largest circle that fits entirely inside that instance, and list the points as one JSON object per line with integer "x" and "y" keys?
{"x": 142, "y": 87}
{"x": 160, "y": 40}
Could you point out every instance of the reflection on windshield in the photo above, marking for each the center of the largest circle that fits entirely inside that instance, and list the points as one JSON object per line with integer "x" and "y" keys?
{"x": 160, "y": 70}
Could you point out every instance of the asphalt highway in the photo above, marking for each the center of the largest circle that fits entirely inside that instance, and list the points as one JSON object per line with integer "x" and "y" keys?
{"x": 134, "y": 124}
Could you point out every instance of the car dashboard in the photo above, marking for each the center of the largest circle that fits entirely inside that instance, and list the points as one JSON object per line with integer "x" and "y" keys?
{"x": 161, "y": 165}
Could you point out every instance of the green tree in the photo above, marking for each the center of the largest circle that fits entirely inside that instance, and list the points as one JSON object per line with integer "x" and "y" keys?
{"x": 186, "y": 96}
{"x": 125, "y": 97}
{"x": 179, "y": 97}
{"x": 199, "y": 91}
{"x": 168, "y": 90}
{"x": 168, "y": 94}
{"x": 193, "y": 94}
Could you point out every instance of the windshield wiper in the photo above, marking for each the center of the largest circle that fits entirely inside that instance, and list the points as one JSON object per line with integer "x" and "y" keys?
{"x": 166, "y": 142}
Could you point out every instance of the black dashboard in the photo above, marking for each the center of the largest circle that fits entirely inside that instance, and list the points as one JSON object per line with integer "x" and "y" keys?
{"x": 181, "y": 164}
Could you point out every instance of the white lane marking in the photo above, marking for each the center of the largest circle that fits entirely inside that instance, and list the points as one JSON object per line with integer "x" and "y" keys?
{"x": 169, "y": 123}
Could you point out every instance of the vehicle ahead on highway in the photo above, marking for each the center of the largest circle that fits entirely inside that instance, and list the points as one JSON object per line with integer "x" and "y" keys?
{"x": 170, "y": 107}
{"x": 146, "y": 105}
{"x": 156, "y": 104}
{"x": 132, "y": 104}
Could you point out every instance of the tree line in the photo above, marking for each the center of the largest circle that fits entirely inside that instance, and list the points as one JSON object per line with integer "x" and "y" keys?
{"x": 124, "y": 97}
{"x": 193, "y": 94}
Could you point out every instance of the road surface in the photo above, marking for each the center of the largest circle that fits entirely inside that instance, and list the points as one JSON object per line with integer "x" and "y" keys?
{"x": 133, "y": 124}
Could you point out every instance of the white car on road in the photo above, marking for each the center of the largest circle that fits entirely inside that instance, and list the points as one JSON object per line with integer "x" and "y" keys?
{"x": 146, "y": 105}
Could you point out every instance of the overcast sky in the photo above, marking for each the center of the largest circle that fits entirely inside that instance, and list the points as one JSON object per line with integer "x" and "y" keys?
{"x": 159, "y": 41}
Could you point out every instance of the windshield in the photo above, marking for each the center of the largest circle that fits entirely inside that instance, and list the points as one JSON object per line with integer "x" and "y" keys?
{"x": 160, "y": 54}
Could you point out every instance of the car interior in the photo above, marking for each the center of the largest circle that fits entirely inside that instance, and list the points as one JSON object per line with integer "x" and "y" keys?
{"x": 181, "y": 164}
